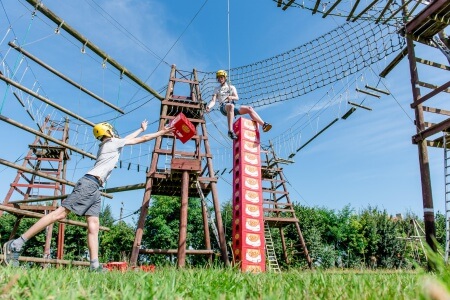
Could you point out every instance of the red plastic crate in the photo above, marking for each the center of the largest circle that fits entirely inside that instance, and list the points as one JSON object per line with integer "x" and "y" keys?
{"x": 119, "y": 266}
{"x": 245, "y": 124}
{"x": 253, "y": 268}
{"x": 184, "y": 129}
{"x": 248, "y": 146}
{"x": 247, "y": 157}
{"x": 244, "y": 195}
{"x": 248, "y": 170}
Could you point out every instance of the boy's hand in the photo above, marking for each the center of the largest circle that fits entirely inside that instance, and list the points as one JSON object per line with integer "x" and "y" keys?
{"x": 168, "y": 129}
{"x": 144, "y": 125}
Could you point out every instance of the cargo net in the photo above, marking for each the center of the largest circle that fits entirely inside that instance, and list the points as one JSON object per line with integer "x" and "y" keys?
{"x": 333, "y": 56}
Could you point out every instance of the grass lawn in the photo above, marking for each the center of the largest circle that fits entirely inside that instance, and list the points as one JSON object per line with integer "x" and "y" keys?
{"x": 217, "y": 283}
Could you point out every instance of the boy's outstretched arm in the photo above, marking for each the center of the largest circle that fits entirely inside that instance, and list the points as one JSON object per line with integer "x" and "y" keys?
{"x": 150, "y": 136}
{"x": 139, "y": 131}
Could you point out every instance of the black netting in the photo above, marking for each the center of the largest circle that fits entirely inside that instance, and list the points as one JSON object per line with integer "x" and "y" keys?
{"x": 335, "y": 55}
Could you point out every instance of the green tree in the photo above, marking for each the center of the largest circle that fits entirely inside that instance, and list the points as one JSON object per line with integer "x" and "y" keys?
{"x": 116, "y": 243}
{"x": 162, "y": 228}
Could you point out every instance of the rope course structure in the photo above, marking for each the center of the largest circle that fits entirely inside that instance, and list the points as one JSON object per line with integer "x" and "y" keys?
{"x": 337, "y": 61}
{"x": 337, "y": 54}
{"x": 380, "y": 11}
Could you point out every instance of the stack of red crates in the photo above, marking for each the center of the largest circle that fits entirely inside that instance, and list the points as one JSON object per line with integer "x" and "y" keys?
{"x": 248, "y": 224}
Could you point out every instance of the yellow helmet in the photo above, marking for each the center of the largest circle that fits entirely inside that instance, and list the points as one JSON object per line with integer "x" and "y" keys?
{"x": 102, "y": 129}
{"x": 221, "y": 73}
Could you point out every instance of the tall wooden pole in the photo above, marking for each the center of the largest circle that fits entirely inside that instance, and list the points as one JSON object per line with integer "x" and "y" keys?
{"x": 181, "y": 257}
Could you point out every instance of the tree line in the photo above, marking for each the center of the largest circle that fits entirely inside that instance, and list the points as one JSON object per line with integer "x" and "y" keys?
{"x": 346, "y": 238}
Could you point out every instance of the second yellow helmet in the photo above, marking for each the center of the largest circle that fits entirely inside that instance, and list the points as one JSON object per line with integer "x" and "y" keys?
{"x": 221, "y": 73}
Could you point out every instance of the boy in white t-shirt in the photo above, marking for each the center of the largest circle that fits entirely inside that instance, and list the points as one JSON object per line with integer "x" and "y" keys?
{"x": 85, "y": 199}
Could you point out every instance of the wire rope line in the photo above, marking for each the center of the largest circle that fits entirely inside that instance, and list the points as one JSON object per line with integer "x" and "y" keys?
{"x": 124, "y": 30}
{"x": 173, "y": 45}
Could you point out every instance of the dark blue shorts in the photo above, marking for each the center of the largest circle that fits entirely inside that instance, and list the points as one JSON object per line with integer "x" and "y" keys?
{"x": 85, "y": 199}
{"x": 237, "y": 107}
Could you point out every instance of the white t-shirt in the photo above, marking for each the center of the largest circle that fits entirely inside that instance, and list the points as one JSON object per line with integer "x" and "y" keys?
{"x": 107, "y": 158}
{"x": 225, "y": 90}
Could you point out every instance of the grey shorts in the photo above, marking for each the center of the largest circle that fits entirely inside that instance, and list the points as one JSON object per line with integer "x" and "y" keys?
{"x": 237, "y": 107}
{"x": 85, "y": 199}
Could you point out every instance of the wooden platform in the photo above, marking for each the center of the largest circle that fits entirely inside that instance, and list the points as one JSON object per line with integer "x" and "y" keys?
{"x": 166, "y": 184}
{"x": 434, "y": 18}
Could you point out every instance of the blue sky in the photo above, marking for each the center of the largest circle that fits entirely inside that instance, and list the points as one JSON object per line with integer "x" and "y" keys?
{"x": 365, "y": 160}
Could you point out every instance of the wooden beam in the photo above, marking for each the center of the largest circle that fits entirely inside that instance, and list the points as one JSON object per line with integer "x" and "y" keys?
{"x": 59, "y": 74}
{"x": 431, "y": 63}
{"x": 45, "y": 100}
{"x": 431, "y": 94}
{"x": 388, "y": 3}
{"x": 331, "y": 8}
{"x": 359, "y": 105}
{"x": 377, "y": 90}
{"x": 316, "y": 6}
{"x": 51, "y": 261}
{"x": 347, "y": 114}
{"x": 42, "y": 174}
{"x": 431, "y": 86}
{"x": 175, "y": 251}
{"x": 317, "y": 134}
{"x": 353, "y": 10}
{"x": 37, "y": 4}
{"x": 38, "y": 215}
{"x": 39, "y": 199}
{"x": 368, "y": 93}
{"x": 394, "y": 62}
{"x": 364, "y": 10}
{"x": 430, "y": 131}
{"x": 405, "y": 4}
{"x": 436, "y": 110}
{"x": 46, "y": 137}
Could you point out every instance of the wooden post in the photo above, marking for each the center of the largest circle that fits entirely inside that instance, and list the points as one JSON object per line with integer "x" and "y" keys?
{"x": 181, "y": 258}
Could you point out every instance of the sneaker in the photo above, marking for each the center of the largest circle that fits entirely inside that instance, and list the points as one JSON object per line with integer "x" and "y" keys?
{"x": 232, "y": 135}
{"x": 99, "y": 269}
{"x": 11, "y": 255}
{"x": 266, "y": 127}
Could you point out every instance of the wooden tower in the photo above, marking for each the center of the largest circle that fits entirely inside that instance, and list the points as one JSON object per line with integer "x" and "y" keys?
{"x": 187, "y": 171}
{"x": 46, "y": 161}
{"x": 278, "y": 209}
{"x": 425, "y": 29}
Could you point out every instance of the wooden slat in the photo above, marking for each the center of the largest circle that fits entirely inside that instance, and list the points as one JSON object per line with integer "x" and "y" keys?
{"x": 51, "y": 261}
{"x": 431, "y": 86}
{"x": 394, "y": 62}
{"x": 388, "y": 4}
{"x": 431, "y": 130}
{"x": 289, "y": 4}
{"x": 436, "y": 110}
{"x": 269, "y": 202}
{"x": 431, "y": 63}
{"x": 274, "y": 192}
{"x": 278, "y": 210}
{"x": 353, "y": 10}
{"x": 184, "y": 80}
{"x": 431, "y": 94}
{"x": 175, "y": 251}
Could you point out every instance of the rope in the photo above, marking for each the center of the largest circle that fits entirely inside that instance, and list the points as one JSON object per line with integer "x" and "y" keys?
{"x": 229, "y": 43}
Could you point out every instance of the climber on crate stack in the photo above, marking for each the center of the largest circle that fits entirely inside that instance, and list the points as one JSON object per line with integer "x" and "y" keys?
{"x": 227, "y": 95}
